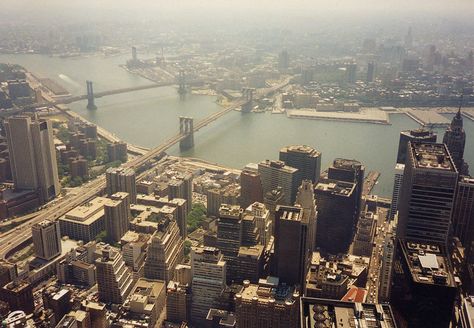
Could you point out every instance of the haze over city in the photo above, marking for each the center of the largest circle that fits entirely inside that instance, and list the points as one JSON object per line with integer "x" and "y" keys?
{"x": 275, "y": 164}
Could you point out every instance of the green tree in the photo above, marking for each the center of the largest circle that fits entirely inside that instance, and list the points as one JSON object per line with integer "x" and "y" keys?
{"x": 101, "y": 237}
{"x": 196, "y": 216}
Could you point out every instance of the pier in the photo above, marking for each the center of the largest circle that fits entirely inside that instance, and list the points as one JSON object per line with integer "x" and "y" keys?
{"x": 369, "y": 182}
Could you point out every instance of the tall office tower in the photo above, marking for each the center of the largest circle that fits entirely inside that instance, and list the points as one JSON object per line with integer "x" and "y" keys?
{"x": 46, "y": 239}
{"x": 387, "y": 263}
{"x": 463, "y": 213}
{"x": 251, "y": 190}
{"x": 276, "y": 174}
{"x": 272, "y": 200}
{"x": 117, "y": 216}
{"x": 304, "y": 158}
{"x": 165, "y": 251}
{"x": 365, "y": 234}
{"x": 268, "y": 304}
{"x": 178, "y": 302}
{"x": 122, "y": 180}
{"x": 305, "y": 199}
{"x": 349, "y": 170}
{"x": 409, "y": 39}
{"x": 250, "y": 236}
{"x": 291, "y": 258}
{"x": 370, "y": 72}
{"x": 134, "y": 54}
{"x": 423, "y": 288}
{"x": 419, "y": 135}
{"x": 427, "y": 195}
{"x": 337, "y": 218}
{"x": 114, "y": 279}
{"x": 351, "y": 73}
{"x": 32, "y": 155}
{"x": 283, "y": 60}
{"x": 455, "y": 139}
{"x": 397, "y": 185}
{"x": 229, "y": 236}
{"x": 182, "y": 188}
{"x": 262, "y": 221}
{"x": 19, "y": 296}
{"x": 209, "y": 278}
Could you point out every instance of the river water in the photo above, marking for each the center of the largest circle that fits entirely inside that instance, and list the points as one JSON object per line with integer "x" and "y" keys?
{"x": 148, "y": 117}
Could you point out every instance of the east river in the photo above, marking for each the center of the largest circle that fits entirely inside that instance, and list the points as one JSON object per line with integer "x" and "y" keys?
{"x": 150, "y": 116}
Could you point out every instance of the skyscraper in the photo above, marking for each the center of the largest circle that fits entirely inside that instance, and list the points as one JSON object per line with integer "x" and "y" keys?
{"x": 419, "y": 135}
{"x": 427, "y": 194}
{"x": 209, "y": 279}
{"x": 268, "y": 304}
{"x": 250, "y": 186}
{"x": 182, "y": 187}
{"x": 455, "y": 139}
{"x": 305, "y": 199}
{"x": 229, "y": 236}
{"x": 165, "y": 251}
{"x": 283, "y": 60}
{"x": 304, "y": 158}
{"x": 291, "y": 245}
{"x": 32, "y": 155}
{"x": 114, "y": 278}
{"x": 337, "y": 203}
{"x": 46, "y": 239}
{"x": 423, "y": 288}
{"x": 397, "y": 184}
{"x": 121, "y": 179}
{"x": 117, "y": 216}
{"x": 349, "y": 170}
{"x": 276, "y": 174}
{"x": 463, "y": 215}
{"x": 370, "y": 72}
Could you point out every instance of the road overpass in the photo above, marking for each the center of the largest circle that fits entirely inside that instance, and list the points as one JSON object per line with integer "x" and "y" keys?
{"x": 21, "y": 235}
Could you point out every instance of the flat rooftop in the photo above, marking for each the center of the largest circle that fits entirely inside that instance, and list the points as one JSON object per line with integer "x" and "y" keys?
{"x": 268, "y": 290}
{"x": 290, "y": 213}
{"x": 432, "y": 156}
{"x": 336, "y": 187}
{"x": 324, "y": 313}
{"x": 303, "y": 149}
{"x": 428, "y": 263}
{"x": 279, "y": 165}
{"x": 90, "y": 211}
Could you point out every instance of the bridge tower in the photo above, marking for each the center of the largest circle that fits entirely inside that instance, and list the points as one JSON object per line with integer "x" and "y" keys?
{"x": 247, "y": 94}
{"x": 182, "y": 83}
{"x": 186, "y": 127}
{"x": 90, "y": 96}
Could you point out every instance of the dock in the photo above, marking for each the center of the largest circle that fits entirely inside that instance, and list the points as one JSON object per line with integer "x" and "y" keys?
{"x": 428, "y": 118}
{"x": 369, "y": 182}
{"x": 365, "y": 115}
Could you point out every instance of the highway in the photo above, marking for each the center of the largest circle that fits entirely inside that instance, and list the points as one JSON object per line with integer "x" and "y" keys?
{"x": 14, "y": 238}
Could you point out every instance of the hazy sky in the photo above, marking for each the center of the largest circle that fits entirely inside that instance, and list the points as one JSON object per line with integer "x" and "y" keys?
{"x": 274, "y": 13}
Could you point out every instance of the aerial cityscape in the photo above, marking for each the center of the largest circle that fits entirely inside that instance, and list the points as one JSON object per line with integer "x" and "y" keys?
{"x": 219, "y": 164}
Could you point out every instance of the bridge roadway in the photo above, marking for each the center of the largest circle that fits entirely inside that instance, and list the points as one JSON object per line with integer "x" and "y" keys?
{"x": 21, "y": 235}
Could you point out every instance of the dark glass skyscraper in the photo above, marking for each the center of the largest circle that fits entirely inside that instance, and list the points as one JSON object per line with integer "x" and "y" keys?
{"x": 304, "y": 158}
{"x": 420, "y": 135}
